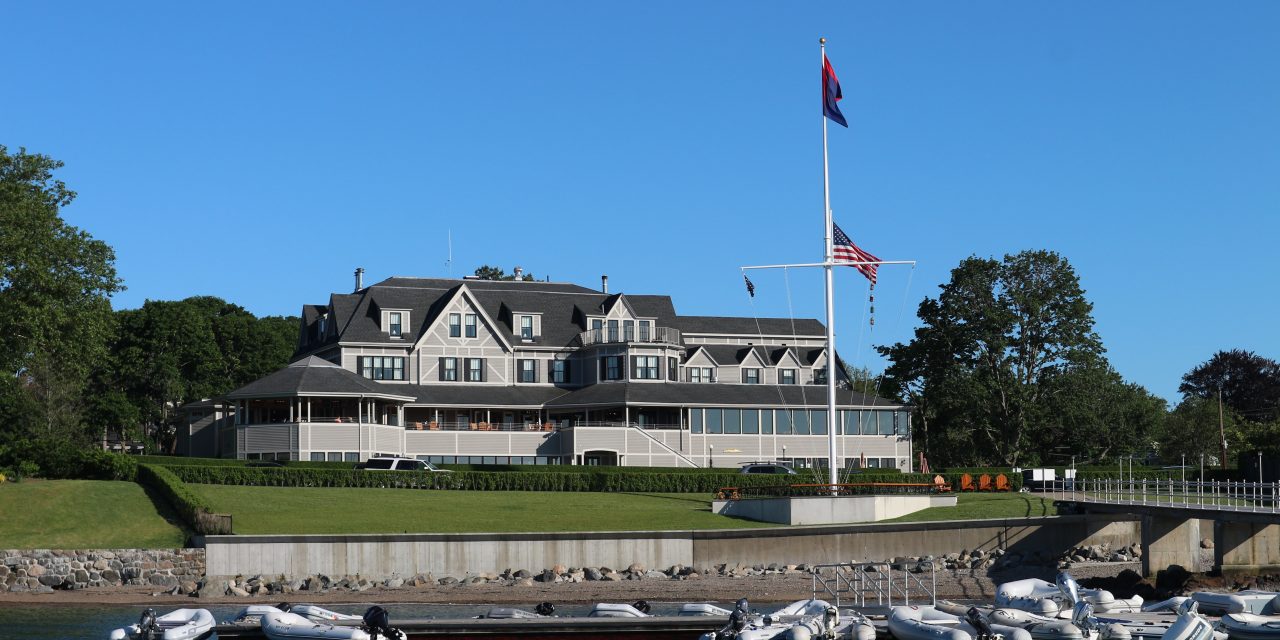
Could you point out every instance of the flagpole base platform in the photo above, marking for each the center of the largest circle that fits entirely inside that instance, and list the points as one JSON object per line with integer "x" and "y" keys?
{"x": 811, "y": 510}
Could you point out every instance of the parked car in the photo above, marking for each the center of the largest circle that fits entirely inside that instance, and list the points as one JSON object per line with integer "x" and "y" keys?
{"x": 388, "y": 463}
{"x": 774, "y": 468}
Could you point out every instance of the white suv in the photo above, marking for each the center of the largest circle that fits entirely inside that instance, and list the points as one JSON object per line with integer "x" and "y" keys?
{"x": 386, "y": 463}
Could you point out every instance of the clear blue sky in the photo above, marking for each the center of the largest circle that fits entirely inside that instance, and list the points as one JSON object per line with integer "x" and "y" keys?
{"x": 261, "y": 151}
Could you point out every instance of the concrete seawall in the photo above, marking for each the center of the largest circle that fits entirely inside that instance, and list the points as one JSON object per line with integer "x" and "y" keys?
{"x": 378, "y": 556}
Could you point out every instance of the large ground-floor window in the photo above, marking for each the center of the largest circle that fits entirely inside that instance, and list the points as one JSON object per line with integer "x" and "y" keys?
{"x": 800, "y": 422}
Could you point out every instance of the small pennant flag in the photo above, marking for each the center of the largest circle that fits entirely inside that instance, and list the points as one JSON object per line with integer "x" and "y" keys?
{"x": 831, "y": 94}
{"x": 843, "y": 249}
{"x": 751, "y": 288}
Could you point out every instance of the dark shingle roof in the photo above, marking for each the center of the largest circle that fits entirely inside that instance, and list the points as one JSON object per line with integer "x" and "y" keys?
{"x": 443, "y": 395}
{"x": 315, "y": 376}
{"x": 717, "y": 394}
{"x": 751, "y": 326}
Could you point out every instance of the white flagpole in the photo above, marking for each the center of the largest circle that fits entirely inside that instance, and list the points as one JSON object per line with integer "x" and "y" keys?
{"x": 832, "y": 421}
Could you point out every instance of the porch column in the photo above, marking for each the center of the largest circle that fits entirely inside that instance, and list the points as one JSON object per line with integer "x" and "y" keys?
{"x": 291, "y": 403}
{"x": 626, "y": 415}
{"x": 308, "y": 409}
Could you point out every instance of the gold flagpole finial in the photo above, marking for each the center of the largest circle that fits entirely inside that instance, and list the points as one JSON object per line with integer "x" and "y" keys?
{"x": 822, "y": 40}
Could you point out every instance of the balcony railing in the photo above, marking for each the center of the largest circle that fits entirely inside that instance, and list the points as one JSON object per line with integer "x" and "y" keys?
{"x": 480, "y": 426}
{"x": 660, "y": 335}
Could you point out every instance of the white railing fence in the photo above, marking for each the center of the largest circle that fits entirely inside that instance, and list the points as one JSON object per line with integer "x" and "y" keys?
{"x": 876, "y": 583}
{"x": 1259, "y": 497}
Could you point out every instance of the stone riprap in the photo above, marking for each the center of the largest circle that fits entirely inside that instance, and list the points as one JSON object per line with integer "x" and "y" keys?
{"x": 178, "y": 570}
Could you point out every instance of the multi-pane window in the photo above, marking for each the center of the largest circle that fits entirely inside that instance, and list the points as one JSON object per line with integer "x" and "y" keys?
{"x": 786, "y": 376}
{"x": 612, "y": 368}
{"x": 393, "y": 324}
{"x": 644, "y": 367}
{"x": 820, "y": 376}
{"x": 559, "y": 371}
{"x": 455, "y": 325}
{"x": 597, "y": 329}
{"x": 526, "y": 327}
{"x": 644, "y": 331}
{"x": 629, "y": 330}
{"x": 382, "y": 367}
{"x": 751, "y": 375}
{"x": 613, "y": 331}
{"x": 673, "y": 369}
{"x": 471, "y": 325}
{"x": 449, "y": 369}
{"x": 699, "y": 374}
{"x": 528, "y": 371}
{"x": 475, "y": 369}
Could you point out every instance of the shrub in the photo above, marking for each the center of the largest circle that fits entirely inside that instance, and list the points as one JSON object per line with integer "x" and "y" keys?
{"x": 59, "y": 459}
{"x": 191, "y": 507}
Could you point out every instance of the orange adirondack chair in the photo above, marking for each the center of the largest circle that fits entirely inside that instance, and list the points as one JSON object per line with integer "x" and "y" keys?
{"x": 984, "y": 483}
{"x": 966, "y": 483}
{"x": 1002, "y": 483}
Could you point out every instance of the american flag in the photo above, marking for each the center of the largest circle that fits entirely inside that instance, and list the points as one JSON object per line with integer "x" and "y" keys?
{"x": 843, "y": 249}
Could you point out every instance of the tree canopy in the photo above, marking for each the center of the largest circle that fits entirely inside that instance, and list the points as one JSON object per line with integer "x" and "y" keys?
{"x": 1250, "y": 383}
{"x": 55, "y": 286}
{"x": 487, "y": 272}
{"x": 1007, "y": 369}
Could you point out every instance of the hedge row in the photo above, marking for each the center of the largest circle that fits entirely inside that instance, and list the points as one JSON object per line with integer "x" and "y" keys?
{"x": 58, "y": 459}
{"x": 194, "y": 510}
{"x": 593, "y": 479}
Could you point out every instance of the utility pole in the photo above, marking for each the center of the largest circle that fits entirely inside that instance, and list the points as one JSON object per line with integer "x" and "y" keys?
{"x": 1222, "y": 433}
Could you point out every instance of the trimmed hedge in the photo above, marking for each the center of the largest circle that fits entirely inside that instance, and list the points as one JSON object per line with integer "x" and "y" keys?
{"x": 592, "y": 479}
{"x": 62, "y": 459}
{"x": 194, "y": 510}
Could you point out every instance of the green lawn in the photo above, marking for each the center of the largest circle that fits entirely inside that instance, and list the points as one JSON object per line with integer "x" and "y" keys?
{"x": 81, "y": 514}
{"x": 978, "y": 506}
{"x": 264, "y": 510}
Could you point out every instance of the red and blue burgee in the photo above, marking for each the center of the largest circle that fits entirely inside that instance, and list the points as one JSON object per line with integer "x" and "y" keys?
{"x": 831, "y": 94}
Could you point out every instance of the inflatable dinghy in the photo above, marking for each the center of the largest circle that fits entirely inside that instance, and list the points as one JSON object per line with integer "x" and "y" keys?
{"x": 702, "y": 609}
{"x": 800, "y": 620}
{"x": 1055, "y": 600}
{"x": 1249, "y": 601}
{"x": 612, "y": 610}
{"x": 1251, "y": 626}
{"x": 929, "y": 623}
{"x": 285, "y": 625}
{"x": 183, "y": 624}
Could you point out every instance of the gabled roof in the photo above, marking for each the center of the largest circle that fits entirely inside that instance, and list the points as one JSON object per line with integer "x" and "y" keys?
{"x": 715, "y": 394}
{"x": 314, "y": 376}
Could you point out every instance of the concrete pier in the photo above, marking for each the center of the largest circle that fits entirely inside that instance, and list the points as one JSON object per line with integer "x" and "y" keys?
{"x": 1245, "y": 546}
{"x": 1169, "y": 541}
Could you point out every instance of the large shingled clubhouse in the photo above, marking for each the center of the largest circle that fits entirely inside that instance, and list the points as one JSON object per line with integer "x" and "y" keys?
{"x": 522, "y": 372}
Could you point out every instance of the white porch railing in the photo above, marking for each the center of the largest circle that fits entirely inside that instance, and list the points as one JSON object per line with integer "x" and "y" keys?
{"x": 660, "y": 335}
{"x": 1256, "y": 497}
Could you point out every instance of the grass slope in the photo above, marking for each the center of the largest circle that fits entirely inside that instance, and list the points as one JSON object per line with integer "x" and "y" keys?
{"x": 82, "y": 514}
{"x": 981, "y": 506}
{"x": 263, "y": 510}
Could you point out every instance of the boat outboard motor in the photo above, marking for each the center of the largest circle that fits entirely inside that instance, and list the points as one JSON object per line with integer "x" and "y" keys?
{"x": 980, "y": 624}
{"x": 745, "y": 607}
{"x": 737, "y": 622}
{"x": 642, "y": 606}
{"x": 147, "y": 626}
{"x": 1082, "y": 617}
{"x": 1069, "y": 587}
{"x": 545, "y": 609}
{"x": 1187, "y": 606}
{"x": 284, "y": 606}
{"x": 377, "y": 622}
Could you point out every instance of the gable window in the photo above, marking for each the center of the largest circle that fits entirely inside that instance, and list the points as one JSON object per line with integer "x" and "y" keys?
{"x": 471, "y": 325}
{"x": 597, "y": 329}
{"x": 475, "y": 369}
{"x": 526, "y": 327}
{"x": 644, "y": 367}
{"x": 528, "y": 371}
{"x": 629, "y": 330}
{"x": 673, "y": 369}
{"x": 382, "y": 367}
{"x": 613, "y": 331}
{"x": 820, "y": 376}
{"x": 559, "y": 370}
{"x": 611, "y": 368}
{"x": 449, "y": 369}
{"x": 644, "y": 331}
{"x": 786, "y": 376}
{"x": 455, "y": 325}
{"x": 699, "y": 374}
{"x": 393, "y": 324}
{"x": 751, "y": 375}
